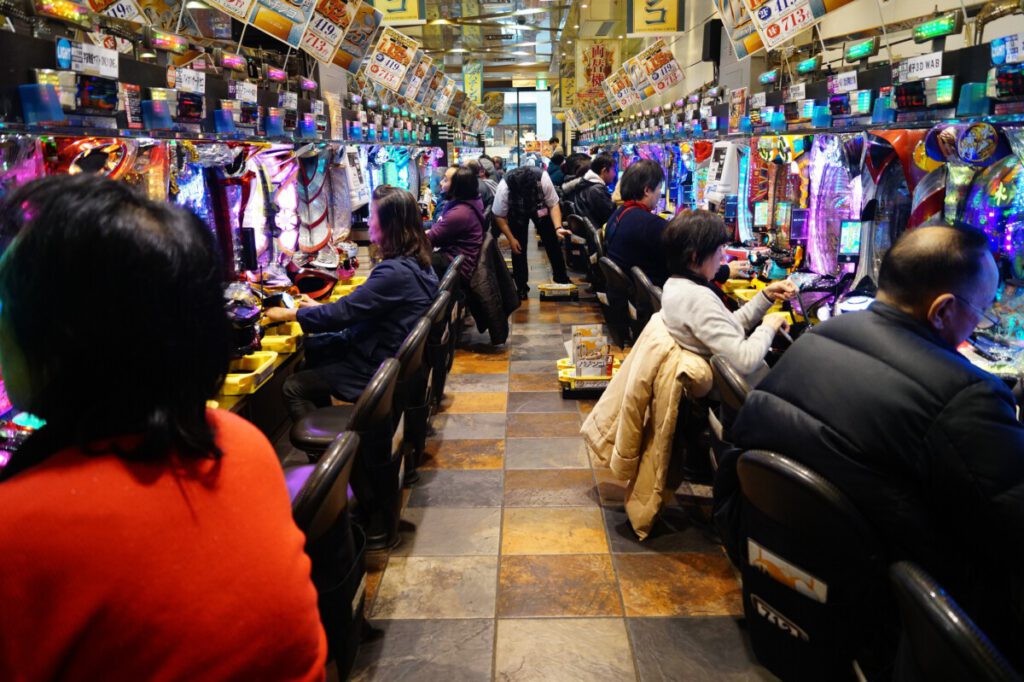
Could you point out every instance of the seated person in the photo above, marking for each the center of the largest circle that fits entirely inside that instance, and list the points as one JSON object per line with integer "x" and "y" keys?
{"x": 633, "y": 233}
{"x": 694, "y": 313}
{"x": 459, "y": 229}
{"x": 555, "y": 171}
{"x": 591, "y": 195}
{"x": 926, "y": 445}
{"x": 358, "y": 332}
{"x": 144, "y": 535}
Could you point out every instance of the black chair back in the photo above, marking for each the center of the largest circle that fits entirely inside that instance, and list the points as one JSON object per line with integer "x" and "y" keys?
{"x": 645, "y": 300}
{"x": 410, "y": 367}
{"x": 450, "y": 280}
{"x": 732, "y": 388}
{"x": 618, "y": 288}
{"x": 944, "y": 643}
{"x": 336, "y": 551}
{"x": 577, "y": 249}
{"x": 813, "y": 574}
{"x": 372, "y": 411}
{"x": 452, "y": 283}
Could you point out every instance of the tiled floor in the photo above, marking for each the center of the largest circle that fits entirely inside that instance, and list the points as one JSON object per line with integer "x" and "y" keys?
{"x": 522, "y": 565}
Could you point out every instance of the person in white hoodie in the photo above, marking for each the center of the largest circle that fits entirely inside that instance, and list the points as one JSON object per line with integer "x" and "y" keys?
{"x": 694, "y": 313}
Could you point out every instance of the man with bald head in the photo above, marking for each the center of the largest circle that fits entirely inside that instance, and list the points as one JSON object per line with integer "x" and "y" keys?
{"x": 926, "y": 445}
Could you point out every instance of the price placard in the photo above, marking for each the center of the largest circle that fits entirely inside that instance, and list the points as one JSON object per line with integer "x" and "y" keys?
{"x": 238, "y": 9}
{"x": 119, "y": 9}
{"x": 246, "y": 92}
{"x": 327, "y": 28}
{"x": 842, "y": 83}
{"x": 391, "y": 59}
{"x": 289, "y": 101}
{"x": 918, "y": 68}
{"x": 94, "y": 60}
{"x": 190, "y": 80}
{"x": 759, "y": 100}
{"x": 796, "y": 92}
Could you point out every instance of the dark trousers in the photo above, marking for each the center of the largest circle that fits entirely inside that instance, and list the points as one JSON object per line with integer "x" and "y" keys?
{"x": 520, "y": 266}
{"x": 305, "y": 391}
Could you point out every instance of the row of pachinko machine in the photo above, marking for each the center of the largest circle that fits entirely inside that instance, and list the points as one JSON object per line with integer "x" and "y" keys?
{"x": 823, "y": 208}
{"x": 281, "y": 214}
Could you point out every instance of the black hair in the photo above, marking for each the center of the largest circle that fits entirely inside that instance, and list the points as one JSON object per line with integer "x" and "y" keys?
{"x": 146, "y": 340}
{"x": 401, "y": 225}
{"x": 557, "y": 160}
{"x": 641, "y": 176}
{"x": 602, "y": 162}
{"x": 474, "y": 166}
{"x": 554, "y": 140}
{"x": 690, "y": 237}
{"x": 574, "y": 162}
{"x": 464, "y": 185}
{"x": 929, "y": 261}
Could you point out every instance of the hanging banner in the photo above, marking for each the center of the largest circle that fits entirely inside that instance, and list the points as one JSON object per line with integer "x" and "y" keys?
{"x": 621, "y": 89}
{"x": 236, "y": 9}
{"x": 457, "y": 104}
{"x": 415, "y": 76}
{"x": 282, "y": 19}
{"x": 779, "y": 20}
{"x": 391, "y": 58}
{"x": 473, "y": 80}
{"x": 327, "y": 28}
{"x": 358, "y": 39}
{"x": 638, "y": 76}
{"x": 494, "y": 107}
{"x": 595, "y": 61}
{"x": 661, "y": 66}
{"x": 423, "y": 97}
{"x": 128, "y": 10}
{"x": 657, "y": 17}
{"x": 737, "y": 108}
{"x": 444, "y": 95}
{"x": 405, "y": 11}
{"x": 568, "y": 91}
{"x": 739, "y": 27}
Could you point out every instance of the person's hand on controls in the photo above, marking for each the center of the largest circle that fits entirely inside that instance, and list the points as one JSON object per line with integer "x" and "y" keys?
{"x": 778, "y": 321}
{"x": 737, "y": 268}
{"x": 783, "y": 290}
{"x": 304, "y": 301}
{"x": 277, "y": 315}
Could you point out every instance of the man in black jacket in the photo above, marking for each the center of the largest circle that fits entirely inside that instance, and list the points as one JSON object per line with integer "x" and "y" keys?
{"x": 926, "y": 445}
{"x": 590, "y": 195}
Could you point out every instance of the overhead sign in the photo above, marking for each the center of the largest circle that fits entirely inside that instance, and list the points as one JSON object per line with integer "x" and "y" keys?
{"x": 779, "y": 20}
{"x": 661, "y": 66}
{"x": 500, "y": 36}
{"x": 405, "y": 11}
{"x": 473, "y": 80}
{"x": 620, "y": 90}
{"x": 758, "y": 101}
{"x": 595, "y": 61}
{"x": 918, "y": 68}
{"x": 119, "y": 9}
{"x": 358, "y": 38}
{"x": 93, "y": 60}
{"x": 282, "y": 19}
{"x": 391, "y": 58}
{"x": 654, "y": 17}
{"x": 415, "y": 76}
{"x": 739, "y": 27}
{"x": 327, "y": 28}
{"x": 638, "y": 76}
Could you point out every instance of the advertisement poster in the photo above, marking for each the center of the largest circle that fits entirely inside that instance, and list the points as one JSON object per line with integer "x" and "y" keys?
{"x": 391, "y": 58}
{"x": 473, "y": 80}
{"x": 595, "y": 62}
{"x": 661, "y": 66}
{"x": 357, "y": 40}
{"x": 405, "y": 11}
{"x": 444, "y": 95}
{"x": 458, "y": 104}
{"x": 654, "y": 17}
{"x": 621, "y": 90}
{"x": 119, "y": 9}
{"x": 638, "y": 77}
{"x": 739, "y": 27}
{"x": 494, "y": 107}
{"x": 327, "y": 27}
{"x": 236, "y": 9}
{"x": 779, "y": 20}
{"x": 415, "y": 76}
{"x": 283, "y": 19}
{"x": 423, "y": 96}
{"x": 737, "y": 108}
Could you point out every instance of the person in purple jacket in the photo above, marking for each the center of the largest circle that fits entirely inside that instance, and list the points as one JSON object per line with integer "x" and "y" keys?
{"x": 347, "y": 340}
{"x": 460, "y": 229}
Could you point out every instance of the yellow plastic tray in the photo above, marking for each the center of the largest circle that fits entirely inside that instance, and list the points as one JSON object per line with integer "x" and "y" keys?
{"x": 566, "y": 363}
{"x": 354, "y": 282}
{"x": 247, "y": 374}
{"x": 567, "y": 376}
{"x": 283, "y": 338}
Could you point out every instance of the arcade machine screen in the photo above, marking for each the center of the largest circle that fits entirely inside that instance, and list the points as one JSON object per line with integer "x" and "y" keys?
{"x": 761, "y": 215}
{"x": 835, "y": 196}
{"x": 849, "y": 241}
{"x": 995, "y": 204}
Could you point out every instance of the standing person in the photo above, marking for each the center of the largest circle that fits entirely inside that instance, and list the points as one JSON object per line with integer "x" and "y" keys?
{"x": 527, "y": 194}
{"x": 555, "y": 171}
{"x": 348, "y": 339}
{"x": 485, "y": 185}
{"x": 591, "y": 195}
{"x": 460, "y": 228}
{"x": 144, "y": 535}
{"x": 556, "y": 146}
{"x": 924, "y": 444}
{"x": 499, "y": 168}
{"x": 633, "y": 234}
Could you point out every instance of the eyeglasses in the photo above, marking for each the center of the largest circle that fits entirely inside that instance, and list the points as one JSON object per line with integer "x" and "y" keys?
{"x": 988, "y": 317}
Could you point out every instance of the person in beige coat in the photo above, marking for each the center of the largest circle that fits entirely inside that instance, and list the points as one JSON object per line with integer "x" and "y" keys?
{"x": 632, "y": 426}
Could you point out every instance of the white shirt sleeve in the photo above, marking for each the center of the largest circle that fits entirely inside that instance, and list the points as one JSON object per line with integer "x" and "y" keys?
{"x": 500, "y": 205}
{"x": 548, "y": 187}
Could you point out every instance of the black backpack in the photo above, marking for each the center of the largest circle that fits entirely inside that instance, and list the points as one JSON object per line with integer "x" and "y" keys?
{"x": 524, "y": 193}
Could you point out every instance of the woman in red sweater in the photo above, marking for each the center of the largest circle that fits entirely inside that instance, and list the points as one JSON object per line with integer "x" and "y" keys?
{"x": 143, "y": 537}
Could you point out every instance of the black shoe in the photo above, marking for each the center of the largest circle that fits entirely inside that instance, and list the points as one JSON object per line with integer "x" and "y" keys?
{"x": 561, "y": 280}
{"x": 524, "y": 294}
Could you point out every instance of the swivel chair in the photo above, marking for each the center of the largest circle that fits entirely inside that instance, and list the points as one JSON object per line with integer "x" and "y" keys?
{"x": 437, "y": 369}
{"x": 576, "y": 251}
{"x": 646, "y": 298}
{"x": 411, "y": 392}
{"x": 375, "y": 480}
{"x": 618, "y": 290}
{"x": 942, "y": 641}
{"x": 732, "y": 391}
{"x": 336, "y": 550}
{"x": 813, "y": 574}
{"x": 452, "y": 283}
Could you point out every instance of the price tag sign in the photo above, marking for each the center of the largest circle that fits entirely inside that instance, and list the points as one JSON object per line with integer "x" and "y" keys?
{"x": 190, "y": 80}
{"x": 119, "y": 9}
{"x": 758, "y": 101}
{"x": 94, "y": 60}
{"x": 318, "y": 107}
{"x": 796, "y": 92}
{"x": 289, "y": 101}
{"x": 918, "y": 68}
{"x": 842, "y": 83}
{"x": 246, "y": 92}
{"x": 239, "y": 9}
{"x": 1008, "y": 49}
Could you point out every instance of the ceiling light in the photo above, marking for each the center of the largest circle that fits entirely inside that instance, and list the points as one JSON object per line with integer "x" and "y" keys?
{"x": 524, "y": 12}
{"x": 584, "y": 6}
{"x": 621, "y": 37}
{"x": 576, "y": 26}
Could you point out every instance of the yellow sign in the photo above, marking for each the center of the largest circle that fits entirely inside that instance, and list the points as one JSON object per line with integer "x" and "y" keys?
{"x": 400, "y": 10}
{"x": 658, "y": 17}
{"x": 473, "y": 81}
{"x": 569, "y": 91}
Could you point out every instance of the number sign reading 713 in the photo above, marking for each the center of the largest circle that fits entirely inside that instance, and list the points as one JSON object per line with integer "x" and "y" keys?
{"x": 779, "y": 20}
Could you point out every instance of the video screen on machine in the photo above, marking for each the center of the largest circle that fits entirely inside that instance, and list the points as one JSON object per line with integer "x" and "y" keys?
{"x": 761, "y": 214}
{"x": 849, "y": 241}
{"x": 783, "y": 210}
